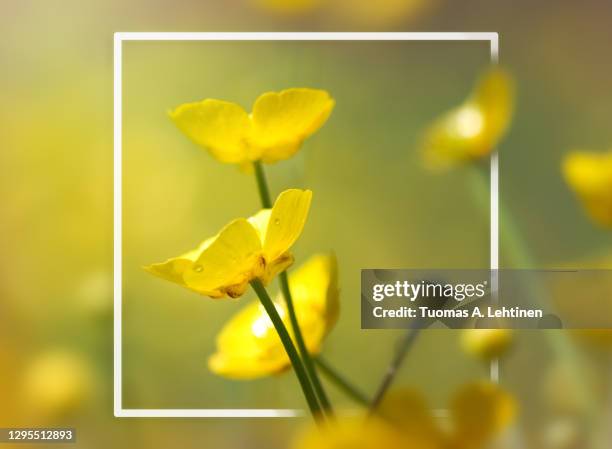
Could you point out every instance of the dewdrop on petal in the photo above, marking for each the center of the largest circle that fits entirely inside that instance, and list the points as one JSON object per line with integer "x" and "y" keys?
{"x": 243, "y": 250}
{"x": 486, "y": 344}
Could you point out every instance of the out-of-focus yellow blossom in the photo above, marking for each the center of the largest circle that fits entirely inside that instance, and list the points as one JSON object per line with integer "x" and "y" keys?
{"x": 486, "y": 344}
{"x": 248, "y": 345}
{"x": 601, "y": 338}
{"x": 473, "y": 129}
{"x": 354, "y": 433}
{"x": 288, "y": 7}
{"x": 273, "y": 131}
{"x": 243, "y": 250}
{"x": 478, "y": 413}
{"x": 589, "y": 174}
{"x": 381, "y": 13}
{"x": 409, "y": 411}
{"x": 57, "y": 382}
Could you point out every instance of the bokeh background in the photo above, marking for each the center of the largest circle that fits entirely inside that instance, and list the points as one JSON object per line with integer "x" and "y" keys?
{"x": 374, "y": 204}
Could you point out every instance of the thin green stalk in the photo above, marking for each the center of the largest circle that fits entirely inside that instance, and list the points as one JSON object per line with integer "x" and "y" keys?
{"x": 404, "y": 346}
{"x": 300, "y": 372}
{"x": 517, "y": 253}
{"x": 264, "y": 193}
{"x": 344, "y": 385}
{"x": 262, "y": 185}
{"x": 310, "y": 368}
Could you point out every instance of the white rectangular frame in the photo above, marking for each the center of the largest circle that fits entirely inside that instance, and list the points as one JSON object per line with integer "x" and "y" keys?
{"x": 119, "y": 38}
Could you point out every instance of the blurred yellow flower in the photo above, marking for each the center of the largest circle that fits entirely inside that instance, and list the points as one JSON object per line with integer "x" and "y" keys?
{"x": 248, "y": 345}
{"x": 243, "y": 250}
{"x": 354, "y": 433}
{"x": 486, "y": 344}
{"x": 589, "y": 174}
{"x": 274, "y": 130}
{"x": 380, "y": 14}
{"x": 473, "y": 129}
{"x": 56, "y": 382}
{"x": 479, "y": 412}
{"x": 288, "y": 7}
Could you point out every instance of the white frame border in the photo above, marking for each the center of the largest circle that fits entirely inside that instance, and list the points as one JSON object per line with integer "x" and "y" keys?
{"x": 119, "y": 38}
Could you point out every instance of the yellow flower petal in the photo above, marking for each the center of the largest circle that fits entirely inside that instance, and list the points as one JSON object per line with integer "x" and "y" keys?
{"x": 231, "y": 260}
{"x": 286, "y": 222}
{"x": 219, "y": 126}
{"x": 260, "y": 222}
{"x": 172, "y": 269}
{"x": 274, "y": 131}
{"x": 314, "y": 288}
{"x": 589, "y": 174}
{"x": 248, "y": 345}
{"x": 281, "y": 121}
{"x": 475, "y": 128}
{"x": 480, "y": 411}
{"x": 226, "y": 263}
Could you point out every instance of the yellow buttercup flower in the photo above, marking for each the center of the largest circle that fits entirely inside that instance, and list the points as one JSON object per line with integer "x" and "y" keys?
{"x": 243, "y": 250}
{"x": 248, "y": 345}
{"x": 486, "y": 344}
{"x": 274, "y": 130}
{"x": 589, "y": 174}
{"x": 473, "y": 129}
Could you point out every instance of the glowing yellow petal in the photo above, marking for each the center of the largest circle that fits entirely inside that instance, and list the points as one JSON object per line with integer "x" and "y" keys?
{"x": 479, "y": 412}
{"x": 248, "y": 345}
{"x": 314, "y": 288}
{"x": 229, "y": 262}
{"x": 172, "y": 269}
{"x": 286, "y": 222}
{"x": 281, "y": 121}
{"x": 219, "y": 126}
{"x": 260, "y": 222}
{"x": 475, "y": 128}
{"x": 494, "y": 97}
{"x": 589, "y": 174}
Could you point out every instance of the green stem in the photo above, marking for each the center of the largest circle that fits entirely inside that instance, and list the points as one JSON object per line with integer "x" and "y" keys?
{"x": 264, "y": 194}
{"x": 519, "y": 256}
{"x": 300, "y": 372}
{"x": 344, "y": 385}
{"x": 404, "y": 346}
{"x": 310, "y": 368}
{"x": 262, "y": 185}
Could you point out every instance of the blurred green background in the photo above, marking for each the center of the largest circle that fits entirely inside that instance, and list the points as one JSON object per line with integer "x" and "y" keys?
{"x": 374, "y": 205}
